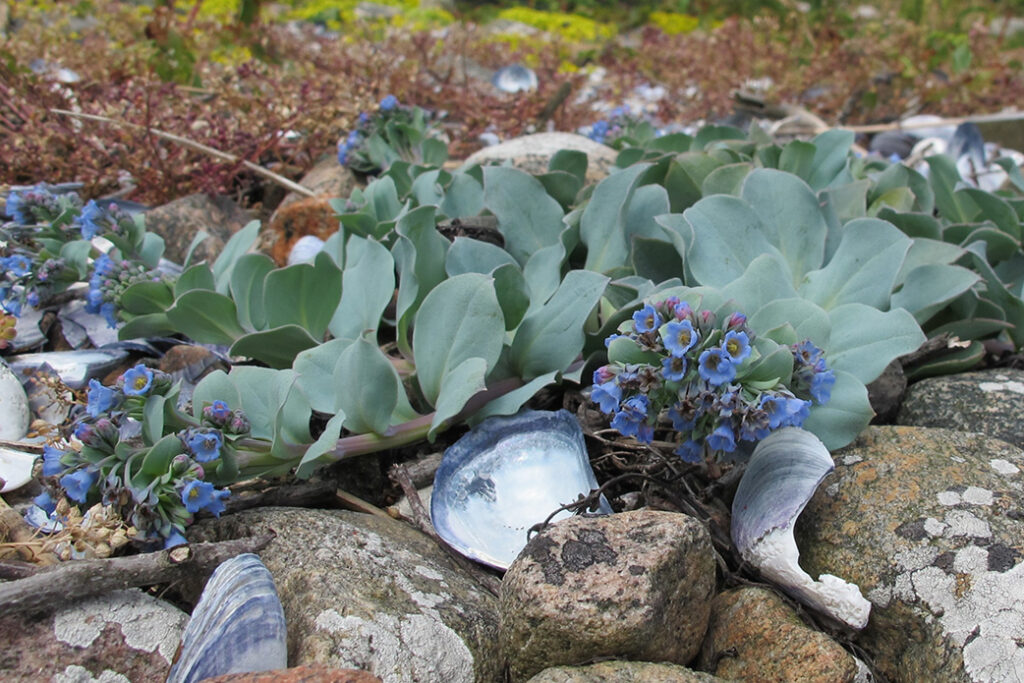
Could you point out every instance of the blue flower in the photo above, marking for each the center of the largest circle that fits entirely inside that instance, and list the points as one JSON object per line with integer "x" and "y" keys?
{"x": 101, "y": 399}
{"x": 716, "y": 367}
{"x": 737, "y": 345}
{"x": 200, "y": 495}
{"x": 45, "y": 501}
{"x": 13, "y": 306}
{"x": 610, "y": 338}
{"x": 690, "y": 451}
{"x": 722, "y": 439}
{"x": 754, "y": 425}
{"x": 17, "y": 265}
{"x": 94, "y": 300}
{"x": 598, "y": 131}
{"x": 682, "y": 422}
{"x": 175, "y": 539}
{"x": 15, "y": 207}
{"x": 821, "y": 386}
{"x": 673, "y": 368}
{"x": 807, "y": 353}
{"x": 217, "y": 412}
{"x": 77, "y": 484}
{"x": 388, "y": 103}
{"x": 646, "y": 319}
{"x": 632, "y": 419}
{"x": 205, "y": 444}
{"x": 798, "y": 410}
{"x": 607, "y": 396}
{"x": 364, "y": 118}
{"x": 679, "y": 337}
{"x": 91, "y": 212}
{"x": 109, "y": 313}
{"x": 138, "y": 381}
{"x": 52, "y": 465}
{"x": 784, "y": 411}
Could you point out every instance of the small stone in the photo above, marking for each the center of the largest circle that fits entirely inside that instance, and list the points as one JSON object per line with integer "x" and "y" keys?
{"x": 755, "y": 637}
{"x": 532, "y": 153}
{"x": 988, "y": 402}
{"x": 316, "y": 673}
{"x": 635, "y": 585}
{"x": 14, "y": 415}
{"x": 623, "y": 672}
{"x": 179, "y": 221}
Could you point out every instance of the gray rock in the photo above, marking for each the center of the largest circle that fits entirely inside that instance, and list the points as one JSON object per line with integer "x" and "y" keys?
{"x": 532, "y": 153}
{"x": 369, "y": 593}
{"x": 989, "y": 402}
{"x": 927, "y": 522}
{"x": 122, "y": 636}
{"x": 623, "y": 672}
{"x": 634, "y": 585}
{"x": 755, "y": 637}
{"x": 179, "y": 221}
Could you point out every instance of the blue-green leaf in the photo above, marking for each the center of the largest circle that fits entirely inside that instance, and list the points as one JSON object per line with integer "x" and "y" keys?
{"x": 863, "y": 269}
{"x": 473, "y": 256}
{"x": 808, "y": 320}
{"x": 459, "y": 319}
{"x": 458, "y": 385}
{"x": 206, "y": 316}
{"x": 551, "y": 337}
{"x": 158, "y": 460}
{"x": 261, "y": 392}
{"x": 930, "y": 287}
{"x": 368, "y": 388}
{"x": 727, "y": 237}
{"x": 233, "y": 250}
{"x": 944, "y": 179}
{"x": 831, "y": 151}
{"x": 143, "y": 298}
{"x": 368, "y": 284}
{"x": 528, "y": 217}
{"x": 198, "y": 276}
{"x": 315, "y": 368}
{"x": 277, "y": 347}
{"x": 303, "y": 294}
{"x": 313, "y": 457}
{"x": 839, "y": 421}
{"x": 602, "y": 226}
{"x": 216, "y": 386}
{"x": 419, "y": 256}
{"x": 864, "y": 339}
{"x": 247, "y": 280}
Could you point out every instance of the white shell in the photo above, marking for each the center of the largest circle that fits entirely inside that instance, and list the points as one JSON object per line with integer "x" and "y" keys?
{"x": 305, "y": 249}
{"x": 237, "y": 626}
{"x": 515, "y": 78}
{"x": 506, "y": 475}
{"x": 15, "y": 468}
{"x": 14, "y": 413}
{"x": 781, "y": 477}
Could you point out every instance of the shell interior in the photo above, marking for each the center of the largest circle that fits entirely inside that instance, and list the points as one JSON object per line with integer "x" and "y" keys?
{"x": 506, "y": 475}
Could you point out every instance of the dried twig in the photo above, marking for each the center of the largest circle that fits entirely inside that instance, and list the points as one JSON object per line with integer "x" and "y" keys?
{"x": 77, "y": 579}
{"x": 199, "y": 147}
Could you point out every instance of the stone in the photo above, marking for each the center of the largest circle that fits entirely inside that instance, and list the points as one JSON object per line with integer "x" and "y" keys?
{"x": 299, "y": 674}
{"x": 371, "y": 593}
{"x": 754, "y": 636}
{"x": 178, "y": 222}
{"x": 634, "y": 585}
{"x": 532, "y": 153}
{"x": 988, "y": 401}
{"x": 125, "y": 635}
{"x": 298, "y": 216}
{"x": 928, "y": 523}
{"x": 623, "y": 672}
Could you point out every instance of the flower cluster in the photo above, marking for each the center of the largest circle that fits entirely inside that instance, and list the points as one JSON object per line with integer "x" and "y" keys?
{"x": 621, "y": 123}
{"x": 38, "y": 262}
{"x": 109, "y": 280}
{"x": 157, "y": 482}
{"x": 682, "y": 366}
{"x": 394, "y": 132}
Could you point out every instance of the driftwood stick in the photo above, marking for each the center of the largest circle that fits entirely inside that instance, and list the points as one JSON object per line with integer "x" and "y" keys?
{"x": 198, "y": 147}
{"x": 19, "y": 537}
{"x": 81, "y": 578}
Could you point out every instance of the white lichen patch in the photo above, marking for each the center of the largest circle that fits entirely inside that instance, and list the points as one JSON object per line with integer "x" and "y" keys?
{"x": 413, "y": 647}
{"x": 1008, "y": 385}
{"x": 1003, "y": 466}
{"x": 147, "y": 624}
{"x": 949, "y": 498}
{"x": 79, "y": 674}
{"x": 977, "y": 496}
{"x": 917, "y": 557}
{"x": 429, "y": 573}
{"x": 852, "y": 459}
{"x": 971, "y": 560}
{"x": 934, "y": 527}
{"x": 964, "y": 523}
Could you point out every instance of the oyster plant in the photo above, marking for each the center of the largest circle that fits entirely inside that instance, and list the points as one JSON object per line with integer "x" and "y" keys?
{"x": 405, "y": 323}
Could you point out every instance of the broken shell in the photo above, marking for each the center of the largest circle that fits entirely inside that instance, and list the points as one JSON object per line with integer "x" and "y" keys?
{"x": 514, "y": 78}
{"x": 781, "y": 477}
{"x": 506, "y": 475}
{"x": 15, "y": 468}
{"x": 75, "y": 368}
{"x": 237, "y": 626}
{"x": 13, "y": 406}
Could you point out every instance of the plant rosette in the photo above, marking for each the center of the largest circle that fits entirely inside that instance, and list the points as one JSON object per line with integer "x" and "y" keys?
{"x": 395, "y": 132}
{"x": 709, "y": 375}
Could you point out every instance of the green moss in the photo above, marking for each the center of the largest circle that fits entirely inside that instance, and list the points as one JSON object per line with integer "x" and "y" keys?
{"x": 569, "y": 26}
{"x": 673, "y": 23}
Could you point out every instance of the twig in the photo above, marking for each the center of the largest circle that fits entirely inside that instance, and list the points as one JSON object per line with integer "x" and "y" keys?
{"x": 983, "y": 118}
{"x": 81, "y": 578}
{"x": 17, "y": 534}
{"x": 353, "y": 502}
{"x": 199, "y": 147}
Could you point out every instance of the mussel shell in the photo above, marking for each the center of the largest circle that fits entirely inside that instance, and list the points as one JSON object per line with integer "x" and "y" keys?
{"x": 506, "y": 475}
{"x": 237, "y": 627}
{"x": 14, "y": 413}
{"x": 514, "y": 78}
{"x": 15, "y": 468}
